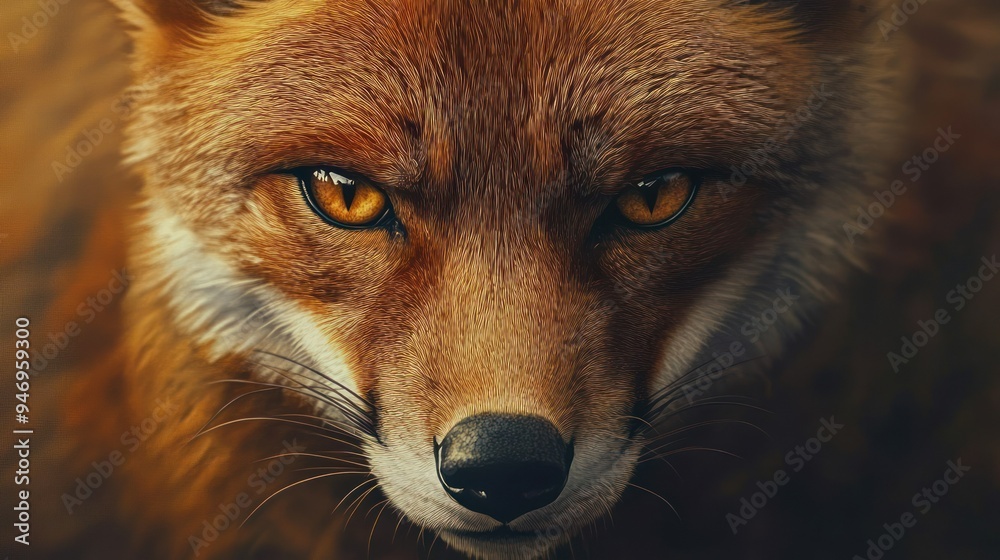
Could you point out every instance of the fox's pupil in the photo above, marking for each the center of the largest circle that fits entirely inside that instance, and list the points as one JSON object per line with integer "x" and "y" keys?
{"x": 343, "y": 201}
{"x": 657, "y": 200}
{"x": 651, "y": 194}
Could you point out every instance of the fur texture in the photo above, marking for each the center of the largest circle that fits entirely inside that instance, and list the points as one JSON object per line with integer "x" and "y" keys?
{"x": 504, "y": 297}
{"x": 500, "y": 132}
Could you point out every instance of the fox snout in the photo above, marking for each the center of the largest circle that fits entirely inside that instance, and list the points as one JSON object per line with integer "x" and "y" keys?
{"x": 503, "y": 465}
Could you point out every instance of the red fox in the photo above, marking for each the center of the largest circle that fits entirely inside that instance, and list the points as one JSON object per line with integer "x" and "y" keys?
{"x": 467, "y": 253}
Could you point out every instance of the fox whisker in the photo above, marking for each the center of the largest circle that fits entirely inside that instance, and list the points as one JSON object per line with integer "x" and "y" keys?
{"x": 662, "y": 454}
{"x": 371, "y": 536}
{"x": 315, "y": 455}
{"x": 238, "y": 397}
{"x": 705, "y": 423}
{"x": 351, "y": 429}
{"x": 367, "y": 480}
{"x": 324, "y": 421}
{"x": 301, "y": 389}
{"x": 340, "y": 386}
{"x": 647, "y": 490}
{"x": 356, "y": 503}
{"x": 663, "y": 398}
{"x": 285, "y": 420}
{"x": 317, "y": 477}
{"x": 360, "y": 417}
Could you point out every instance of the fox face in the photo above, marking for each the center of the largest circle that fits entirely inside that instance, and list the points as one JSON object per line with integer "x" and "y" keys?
{"x": 494, "y": 235}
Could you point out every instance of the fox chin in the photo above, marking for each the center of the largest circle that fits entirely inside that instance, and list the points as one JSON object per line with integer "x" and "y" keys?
{"x": 484, "y": 248}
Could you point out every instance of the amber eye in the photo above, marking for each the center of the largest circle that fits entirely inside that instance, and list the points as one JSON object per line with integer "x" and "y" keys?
{"x": 658, "y": 199}
{"x": 343, "y": 201}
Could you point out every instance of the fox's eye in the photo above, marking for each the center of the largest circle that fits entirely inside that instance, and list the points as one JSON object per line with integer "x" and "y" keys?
{"x": 658, "y": 199}
{"x": 351, "y": 203}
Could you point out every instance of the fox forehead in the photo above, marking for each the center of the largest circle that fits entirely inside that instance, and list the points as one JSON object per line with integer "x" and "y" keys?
{"x": 408, "y": 93}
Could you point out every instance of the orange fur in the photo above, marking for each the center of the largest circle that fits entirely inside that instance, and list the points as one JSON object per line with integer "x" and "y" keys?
{"x": 482, "y": 309}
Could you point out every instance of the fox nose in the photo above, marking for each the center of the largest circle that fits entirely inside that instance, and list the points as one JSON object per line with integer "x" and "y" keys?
{"x": 503, "y": 465}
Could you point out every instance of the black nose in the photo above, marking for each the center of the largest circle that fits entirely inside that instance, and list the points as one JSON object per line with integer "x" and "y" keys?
{"x": 502, "y": 465}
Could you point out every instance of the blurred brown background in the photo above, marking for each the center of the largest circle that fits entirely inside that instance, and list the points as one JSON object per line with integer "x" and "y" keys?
{"x": 61, "y": 236}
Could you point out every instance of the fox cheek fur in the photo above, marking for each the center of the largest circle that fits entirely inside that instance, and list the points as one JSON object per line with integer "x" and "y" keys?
{"x": 504, "y": 307}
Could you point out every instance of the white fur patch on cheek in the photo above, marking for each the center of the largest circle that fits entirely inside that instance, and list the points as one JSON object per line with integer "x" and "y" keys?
{"x": 226, "y": 311}
{"x": 708, "y": 316}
